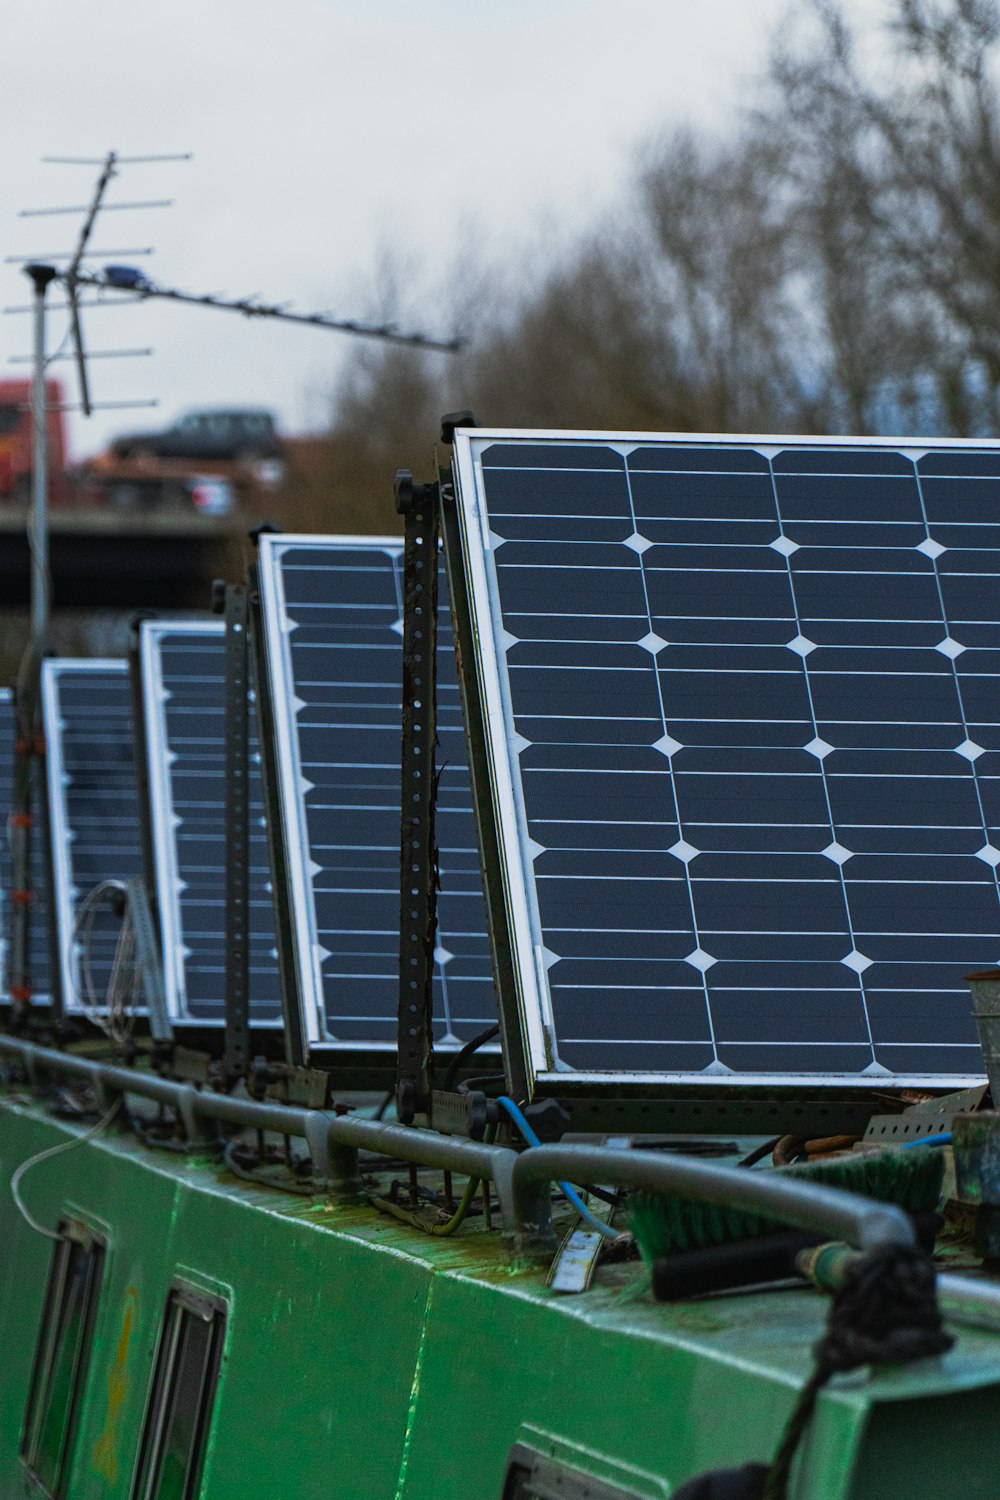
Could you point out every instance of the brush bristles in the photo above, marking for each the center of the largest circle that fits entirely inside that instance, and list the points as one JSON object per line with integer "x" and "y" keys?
{"x": 663, "y": 1225}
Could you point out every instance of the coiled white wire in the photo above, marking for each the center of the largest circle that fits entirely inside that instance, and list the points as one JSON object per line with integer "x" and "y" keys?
{"x": 114, "y": 1013}
{"x": 32, "y": 1161}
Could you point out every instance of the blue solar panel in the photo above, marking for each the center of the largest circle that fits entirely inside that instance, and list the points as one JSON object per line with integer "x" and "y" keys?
{"x": 744, "y": 737}
{"x": 38, "y": 939}
{"x": 93, "y": 813}
{"x": 333, "y": 632}
{"x": 183, "y": 669}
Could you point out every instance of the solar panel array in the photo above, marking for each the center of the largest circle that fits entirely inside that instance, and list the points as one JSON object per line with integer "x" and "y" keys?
{"x": 332, "y": 621}
{"x": 38, "y": 924}
{"x": 183, "y": 688}
{"x": 745, "y": 729}
{"x": 93, "y": 813}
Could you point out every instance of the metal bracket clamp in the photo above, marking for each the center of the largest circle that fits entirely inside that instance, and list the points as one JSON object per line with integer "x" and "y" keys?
{"x": 237, "y": 883}
{"x": 418, "y": 505}
{"x": 333, "y": 1162}
{"x": 197, "y": 1130}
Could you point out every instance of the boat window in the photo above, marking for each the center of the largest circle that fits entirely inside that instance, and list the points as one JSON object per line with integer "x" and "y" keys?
{"x": 61, "y": 1356}
{"x": 179, "y": 1412}
{"x": 535, "y": 1476}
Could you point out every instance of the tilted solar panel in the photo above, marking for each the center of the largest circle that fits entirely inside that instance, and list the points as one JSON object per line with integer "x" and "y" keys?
{"x": 332, "y": 630}
{"x": 744, "y": 732}
{"x": 93, "y": 814}
{"x": 183, "y": 668}
{"x": 38, "y": 928}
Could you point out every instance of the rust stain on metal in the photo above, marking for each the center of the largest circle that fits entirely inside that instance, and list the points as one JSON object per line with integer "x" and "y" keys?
{"x": 105, "y": 1456}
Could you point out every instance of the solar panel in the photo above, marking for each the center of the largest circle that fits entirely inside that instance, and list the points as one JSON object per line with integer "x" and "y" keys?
{"x": 38, "y": 927}
{"x": 183, "y": 673}
{"x": 93, "y": 814}
{"x": 332, "y": 630}
{"x": 743, "y": 734}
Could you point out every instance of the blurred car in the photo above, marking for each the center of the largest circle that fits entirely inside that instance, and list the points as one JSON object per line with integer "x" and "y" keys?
{"x": 241, "y": 436}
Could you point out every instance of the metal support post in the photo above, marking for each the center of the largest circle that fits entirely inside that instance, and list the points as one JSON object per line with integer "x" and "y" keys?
{"x": 295, "y": 1045}
{"x": 29, "y": 748}
{"x": 418, "y": 504}
{"x": 237, "y": 887}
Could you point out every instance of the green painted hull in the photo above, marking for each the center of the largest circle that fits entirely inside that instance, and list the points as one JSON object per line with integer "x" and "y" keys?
{"x": 363, "y": 1359}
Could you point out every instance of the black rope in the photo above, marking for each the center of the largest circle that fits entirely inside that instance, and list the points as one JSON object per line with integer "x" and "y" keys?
{"x": 884, "y": 1313}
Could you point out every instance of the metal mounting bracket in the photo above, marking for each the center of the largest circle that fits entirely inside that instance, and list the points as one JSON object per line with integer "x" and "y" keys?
{"x": 418, "y": 505}
{"x": 236, "y": 1055}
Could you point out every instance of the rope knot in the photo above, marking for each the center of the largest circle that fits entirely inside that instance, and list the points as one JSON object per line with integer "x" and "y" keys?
{"x": 885, "y": 1312}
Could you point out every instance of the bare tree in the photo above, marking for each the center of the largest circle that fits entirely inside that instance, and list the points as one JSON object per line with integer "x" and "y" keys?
{"x": 831, "y": 264}
{"x": 899, "y": 213}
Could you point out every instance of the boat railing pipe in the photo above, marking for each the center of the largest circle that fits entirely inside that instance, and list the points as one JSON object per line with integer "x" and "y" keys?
{"x": 523, "y": 1182}
{"x": 828, "y": 1211}
{"x": 334, "y": 1140}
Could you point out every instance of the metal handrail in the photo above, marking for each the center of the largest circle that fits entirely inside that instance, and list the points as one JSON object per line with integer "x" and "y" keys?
{"x": 523, "y": 1182}
{"x": 334, "y": 1140}
{"x": 829, "y": 1211}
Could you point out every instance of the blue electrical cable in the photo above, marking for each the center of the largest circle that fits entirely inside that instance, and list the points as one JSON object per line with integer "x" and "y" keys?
{"x": 944, "y": 1139}
{"x": 564, "y": 1187}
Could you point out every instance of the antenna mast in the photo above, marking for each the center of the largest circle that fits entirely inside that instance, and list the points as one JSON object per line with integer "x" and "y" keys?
{"x": 134, "y": 286}
{"x": 29, "y": 743}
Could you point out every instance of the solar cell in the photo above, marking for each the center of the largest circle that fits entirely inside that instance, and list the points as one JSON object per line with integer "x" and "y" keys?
{"x": 183, "y": 670}
{"x": 332, "y": 630}
{"x": 93, "y": 814}
{"x": 38, "y": 928}
{"x": 744, "y": 735}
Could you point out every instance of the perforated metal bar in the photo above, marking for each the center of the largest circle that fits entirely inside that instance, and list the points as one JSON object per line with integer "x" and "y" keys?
{"x": 237, "y": 768}
{"x": 418, "y": 855}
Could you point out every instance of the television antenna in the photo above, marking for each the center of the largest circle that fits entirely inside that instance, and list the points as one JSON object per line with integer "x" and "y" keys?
{"x": 136, "y": 287}
{"x": 29, "y": 744}
{"x": 123, "y": 283}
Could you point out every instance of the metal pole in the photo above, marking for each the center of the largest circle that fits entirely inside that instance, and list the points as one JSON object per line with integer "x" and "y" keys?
{"x": 70, "y": 279}
{"x": 28, "y": 742}
{"x": 41, "y": 276}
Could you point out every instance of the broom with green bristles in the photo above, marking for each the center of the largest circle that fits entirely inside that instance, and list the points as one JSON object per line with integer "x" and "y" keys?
{"x": 696, "y": 1247}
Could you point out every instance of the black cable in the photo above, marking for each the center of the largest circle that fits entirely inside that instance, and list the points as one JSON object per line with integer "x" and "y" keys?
{"x": 491, "y": 1084}
{"x": 148, "y": 1133}
{"x": 380, "y": 1112}
{"x": 274, "y": 1173}
{"x": 759, "y": 1152}
{"x": 455, "y": 1066}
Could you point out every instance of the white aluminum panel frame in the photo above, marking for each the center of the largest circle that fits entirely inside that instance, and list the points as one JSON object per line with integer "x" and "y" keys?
{"x": 533, "y": 996}
{"x": 59, "y": 829}
{"x": 293, "y": 831}
{"x": 161, "y": 797}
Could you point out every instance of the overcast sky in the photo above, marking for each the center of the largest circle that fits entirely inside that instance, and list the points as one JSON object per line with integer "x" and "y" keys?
{"x": 323, "y": 130}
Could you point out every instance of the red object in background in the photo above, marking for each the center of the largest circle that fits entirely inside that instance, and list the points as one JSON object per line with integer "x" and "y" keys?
{"x": 16, "y": 446}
